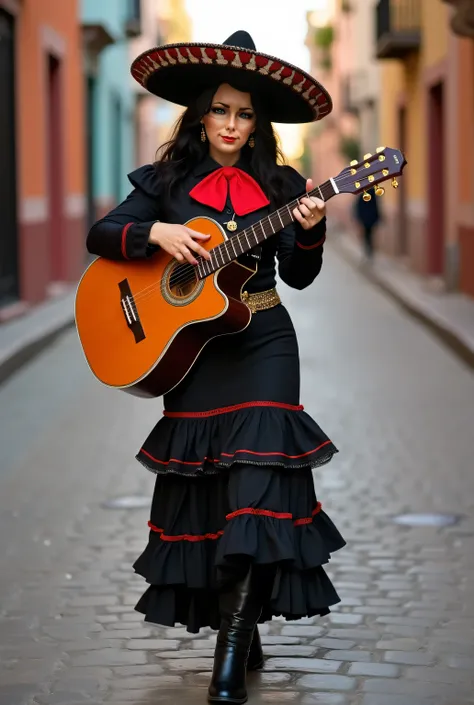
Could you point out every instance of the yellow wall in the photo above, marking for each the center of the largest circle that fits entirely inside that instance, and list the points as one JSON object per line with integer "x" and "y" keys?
{"x": 406, "y": 79}
{"x": 435, "y": 23}
{"x": 392, "y": 83}
{"x": 416, "y": 128}
{"x": 465, "y": 119}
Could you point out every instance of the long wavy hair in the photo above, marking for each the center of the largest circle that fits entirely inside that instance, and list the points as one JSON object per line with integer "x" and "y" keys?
{"x": 178, "y": 157}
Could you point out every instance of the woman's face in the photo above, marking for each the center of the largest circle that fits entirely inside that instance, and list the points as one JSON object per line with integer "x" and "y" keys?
{"x": 228, "y": 124}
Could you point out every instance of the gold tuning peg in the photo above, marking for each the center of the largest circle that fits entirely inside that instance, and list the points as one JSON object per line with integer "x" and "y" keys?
{"x": 367, "y": 197}
{"x": 379, "y": 191}
{"x": 367, "y": 156}
{"x": 379, "y": 149}
{"x": 354, "y": 162}
{"x": 394, "y": 183}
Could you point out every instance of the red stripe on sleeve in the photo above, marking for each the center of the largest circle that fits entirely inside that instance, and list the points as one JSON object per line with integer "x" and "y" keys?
{"x": 124, "y": 240}
{"x": 311, "y": 247}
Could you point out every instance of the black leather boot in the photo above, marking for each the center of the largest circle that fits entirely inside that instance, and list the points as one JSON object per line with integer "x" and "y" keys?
{"x": 240, "y": 609}
{"x": 255, "y": 660}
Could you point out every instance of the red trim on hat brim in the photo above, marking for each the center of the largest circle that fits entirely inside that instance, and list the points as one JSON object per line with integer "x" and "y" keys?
{"x": 168, "y": 56}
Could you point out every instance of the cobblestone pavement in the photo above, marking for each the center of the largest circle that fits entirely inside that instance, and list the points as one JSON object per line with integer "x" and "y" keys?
{"x": 399, "y": 406}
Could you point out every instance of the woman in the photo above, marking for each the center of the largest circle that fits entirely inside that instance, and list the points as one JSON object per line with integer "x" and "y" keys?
{"x": 236, "y": 533}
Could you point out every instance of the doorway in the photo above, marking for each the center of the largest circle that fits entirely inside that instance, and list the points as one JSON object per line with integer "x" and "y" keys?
{"x": 116, "y": 148}
{"x": 436, "y": 181}
{"x": 55, "y": 167}
{"x": 402, "y": 219}
{"x": 9, "y": 278}
{"x": 91, "y": 93}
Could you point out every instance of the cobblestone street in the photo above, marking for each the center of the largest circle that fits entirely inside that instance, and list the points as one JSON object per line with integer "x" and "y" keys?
{"x": 400, "y": 408}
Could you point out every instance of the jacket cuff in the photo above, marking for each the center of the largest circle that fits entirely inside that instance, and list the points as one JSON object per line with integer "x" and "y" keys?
{"x": 134, "y": 244}
{"x": 311, "y": 239}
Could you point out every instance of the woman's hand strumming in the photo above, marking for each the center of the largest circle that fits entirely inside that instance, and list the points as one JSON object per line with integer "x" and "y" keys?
{"x": 311, "y": 210}
{"x": 178, "y": 241}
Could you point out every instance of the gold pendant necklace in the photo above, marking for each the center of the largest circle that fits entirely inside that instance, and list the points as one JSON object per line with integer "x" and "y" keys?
{"x": 231, "y": 224}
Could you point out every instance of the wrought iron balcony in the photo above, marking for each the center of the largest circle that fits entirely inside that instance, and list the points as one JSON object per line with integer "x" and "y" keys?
{"x": 398, "y": 28}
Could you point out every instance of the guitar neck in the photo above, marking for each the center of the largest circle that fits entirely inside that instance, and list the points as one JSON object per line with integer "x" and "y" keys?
{"x": 257, "y": 233}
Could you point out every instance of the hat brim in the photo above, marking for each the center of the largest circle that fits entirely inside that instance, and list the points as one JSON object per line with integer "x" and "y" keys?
{"x": 179, "y": 73}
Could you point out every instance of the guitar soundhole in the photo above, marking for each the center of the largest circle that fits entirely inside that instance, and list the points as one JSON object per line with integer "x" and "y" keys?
{"x": 182, "y": 285}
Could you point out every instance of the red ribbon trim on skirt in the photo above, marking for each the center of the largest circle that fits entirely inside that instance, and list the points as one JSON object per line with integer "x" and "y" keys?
{"x": 248, "y": 510}
{"x": 228, "y": 409}
{"x": 231, "y": 455}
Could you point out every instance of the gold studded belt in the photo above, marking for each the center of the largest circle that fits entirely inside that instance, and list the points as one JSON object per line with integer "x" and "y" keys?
{"x": 261, "y": 300}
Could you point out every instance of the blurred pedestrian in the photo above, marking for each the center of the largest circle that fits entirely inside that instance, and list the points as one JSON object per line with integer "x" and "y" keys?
{"x": 236, "y": 532}
{"x": 367, "y": 216}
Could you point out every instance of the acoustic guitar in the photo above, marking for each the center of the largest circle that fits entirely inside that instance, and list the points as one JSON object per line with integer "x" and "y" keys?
{"x": 142, "y": 324}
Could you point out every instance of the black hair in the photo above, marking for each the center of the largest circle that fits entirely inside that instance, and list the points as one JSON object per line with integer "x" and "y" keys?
{"x": 178, "y": 157}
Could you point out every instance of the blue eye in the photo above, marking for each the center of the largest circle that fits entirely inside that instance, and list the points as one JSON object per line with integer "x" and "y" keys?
{"x": 247, "y": 116}
{"x": 219, "y": 111}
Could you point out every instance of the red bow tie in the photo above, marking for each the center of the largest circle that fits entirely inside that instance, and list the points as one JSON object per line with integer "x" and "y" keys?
{"x": 245, "y": 194}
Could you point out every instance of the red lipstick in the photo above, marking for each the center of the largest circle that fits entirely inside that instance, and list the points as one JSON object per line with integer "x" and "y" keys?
{"x": 229, "y": 140}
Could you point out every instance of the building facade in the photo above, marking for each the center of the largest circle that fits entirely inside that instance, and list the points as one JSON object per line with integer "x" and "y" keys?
{"x": 329, "y": 142}
{"x": 42, "y": 145}
{"x": 363, "y": 87}
{"x": 165, "y": 22}
{"x": 108, "y": 26}
{"x": 427, "y": 109}
{"x": 461, "y": 191}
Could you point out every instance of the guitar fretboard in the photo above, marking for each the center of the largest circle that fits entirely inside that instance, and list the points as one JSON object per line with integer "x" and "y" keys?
{"x": 249, "y": 238}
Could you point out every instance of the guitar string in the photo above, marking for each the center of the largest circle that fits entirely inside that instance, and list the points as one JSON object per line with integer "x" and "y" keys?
{"x": 188, "y": 271}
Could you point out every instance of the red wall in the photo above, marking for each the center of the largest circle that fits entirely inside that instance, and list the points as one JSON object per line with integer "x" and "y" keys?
{"x": 50, "y": 143}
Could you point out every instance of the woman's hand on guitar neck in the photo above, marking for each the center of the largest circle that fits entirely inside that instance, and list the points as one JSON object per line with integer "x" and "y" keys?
{"x": 178, "y": 241}
{"x": 311, "y": 210}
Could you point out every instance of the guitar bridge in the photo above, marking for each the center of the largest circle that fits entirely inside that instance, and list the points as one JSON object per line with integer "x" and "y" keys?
{"x": 130, "y": 311}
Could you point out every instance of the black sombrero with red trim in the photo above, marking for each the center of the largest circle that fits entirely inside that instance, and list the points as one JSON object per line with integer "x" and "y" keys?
{"x": 181, "y": 72}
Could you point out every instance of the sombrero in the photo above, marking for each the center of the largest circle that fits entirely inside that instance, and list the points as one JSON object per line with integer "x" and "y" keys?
{"x": 180, "y": 72}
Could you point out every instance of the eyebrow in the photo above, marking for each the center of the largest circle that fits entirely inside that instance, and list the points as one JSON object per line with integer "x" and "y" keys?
{"x": 219, "y": 102}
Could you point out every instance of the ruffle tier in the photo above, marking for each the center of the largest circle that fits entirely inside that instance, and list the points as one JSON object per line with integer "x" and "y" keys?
{"x": 204, "y": 528}
{"x": 255, "y": 433}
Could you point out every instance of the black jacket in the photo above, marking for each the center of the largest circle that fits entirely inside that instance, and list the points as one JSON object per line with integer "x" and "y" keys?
{"x": 124, "y": 232}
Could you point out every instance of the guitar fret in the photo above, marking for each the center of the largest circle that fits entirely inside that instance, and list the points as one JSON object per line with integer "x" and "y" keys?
{"x": 258, "y": 233}
{"x": 252, "y": 236}
{"x": 226, "y": 246}
{"x": 247, "y": 237}
{"x": 214, "y": 260}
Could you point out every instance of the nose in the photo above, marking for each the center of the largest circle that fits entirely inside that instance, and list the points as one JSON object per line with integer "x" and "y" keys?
{"x": 231, "y": 123}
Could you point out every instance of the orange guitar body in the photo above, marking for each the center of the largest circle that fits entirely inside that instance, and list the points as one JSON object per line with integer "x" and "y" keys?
{"x": 141, "y": 330}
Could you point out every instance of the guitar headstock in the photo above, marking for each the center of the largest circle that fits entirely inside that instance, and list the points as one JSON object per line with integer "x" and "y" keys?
{"x": 373, "y": 170}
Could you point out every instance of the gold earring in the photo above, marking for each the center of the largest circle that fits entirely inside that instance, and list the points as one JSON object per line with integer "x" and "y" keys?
{"x": 203, "y": 133}
{"x": 251, "y": 141}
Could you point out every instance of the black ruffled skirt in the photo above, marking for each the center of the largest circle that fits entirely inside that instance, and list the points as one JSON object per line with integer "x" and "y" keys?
{"x": 234, "y": 455}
